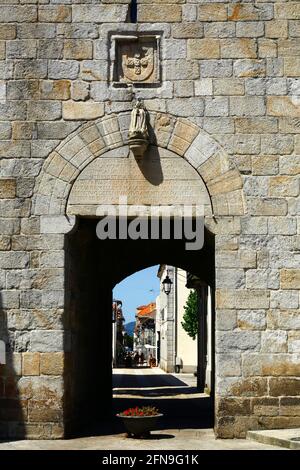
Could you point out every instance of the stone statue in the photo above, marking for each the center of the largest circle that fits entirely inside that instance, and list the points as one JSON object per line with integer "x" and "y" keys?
{"x": 138, "y": 124}
{"x": 138, "y": 137}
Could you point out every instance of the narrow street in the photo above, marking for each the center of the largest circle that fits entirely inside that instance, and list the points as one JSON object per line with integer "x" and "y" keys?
{"x": 175, "y": 395}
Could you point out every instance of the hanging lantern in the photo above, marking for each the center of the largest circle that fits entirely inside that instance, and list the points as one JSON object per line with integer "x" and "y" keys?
{"x": 167, "y": 285}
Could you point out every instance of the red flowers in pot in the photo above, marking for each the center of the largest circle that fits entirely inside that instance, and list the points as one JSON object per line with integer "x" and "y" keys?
{"x": 140, "y": 421}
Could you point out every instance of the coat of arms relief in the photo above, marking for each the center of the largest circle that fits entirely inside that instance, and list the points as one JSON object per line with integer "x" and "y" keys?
{"x": 137, "y": 60}
{"x": 137, "y": 64}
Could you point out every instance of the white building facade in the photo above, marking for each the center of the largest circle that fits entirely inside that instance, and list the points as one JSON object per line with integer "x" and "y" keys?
{"x": 177, "y": 351}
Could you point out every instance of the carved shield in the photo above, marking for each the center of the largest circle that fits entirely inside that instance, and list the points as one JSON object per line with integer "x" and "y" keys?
{"x": 137, "y": 63}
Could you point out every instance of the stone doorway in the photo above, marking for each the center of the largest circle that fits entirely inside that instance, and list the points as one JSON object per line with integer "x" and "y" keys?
{"x": 93, "y": 267}
{"x": 90, "y": 168}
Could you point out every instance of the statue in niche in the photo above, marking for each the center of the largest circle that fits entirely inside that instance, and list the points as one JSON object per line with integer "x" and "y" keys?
{"x": 138, "y": 123}
{"x": 138, "y": 137}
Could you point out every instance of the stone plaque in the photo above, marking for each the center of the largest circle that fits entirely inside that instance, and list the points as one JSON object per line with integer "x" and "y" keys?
{"x": 136, "y": 60}
{"x": 162, "y": 177}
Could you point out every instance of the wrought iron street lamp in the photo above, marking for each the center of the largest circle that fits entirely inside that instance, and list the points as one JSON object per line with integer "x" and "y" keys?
{"x": 167, "y": 284}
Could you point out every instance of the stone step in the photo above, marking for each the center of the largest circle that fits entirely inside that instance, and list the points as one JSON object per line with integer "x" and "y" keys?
{"x": 288, "y": 438}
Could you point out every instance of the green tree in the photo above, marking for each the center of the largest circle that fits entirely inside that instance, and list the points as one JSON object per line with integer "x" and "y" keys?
{"x": 190, "y": 317}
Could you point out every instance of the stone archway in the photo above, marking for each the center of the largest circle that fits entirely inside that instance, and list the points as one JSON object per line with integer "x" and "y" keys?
{"x": 95, "y": 144}
{"x": 92, "y": 269}
{"x": 93, "y": 140}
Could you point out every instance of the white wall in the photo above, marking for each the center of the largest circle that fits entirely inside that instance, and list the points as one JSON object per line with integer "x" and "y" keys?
{"x": 186, "y": 346}
{"x": 167, "y": 316}
{"x": 209, "y": 345}
{"x": 182, "y": 346}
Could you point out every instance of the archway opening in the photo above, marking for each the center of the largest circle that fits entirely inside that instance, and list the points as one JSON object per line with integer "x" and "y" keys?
{"x": 93, "y": 268}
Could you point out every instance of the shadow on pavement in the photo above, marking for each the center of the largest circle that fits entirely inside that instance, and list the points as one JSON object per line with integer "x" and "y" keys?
{"x": 155, "y": 437}
{"x": 149, "y": 380}
{"x": 156, "y": 392}
{"x": 182, "y": 413}
{"x": 190, "y": 410}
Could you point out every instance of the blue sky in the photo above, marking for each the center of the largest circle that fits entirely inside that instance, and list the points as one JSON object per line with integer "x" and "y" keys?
{"x": 140, "y": 288}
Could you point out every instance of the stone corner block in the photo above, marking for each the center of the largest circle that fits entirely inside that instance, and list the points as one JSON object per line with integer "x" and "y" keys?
{"x": 58, "y": 224}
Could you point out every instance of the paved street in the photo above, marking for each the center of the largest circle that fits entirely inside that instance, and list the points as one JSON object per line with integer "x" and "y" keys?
{"x": 186, "y": 425}
{"x": 171, "y": 439}
{"x": 175, "y": 395}
{"x": 154, "y": 383}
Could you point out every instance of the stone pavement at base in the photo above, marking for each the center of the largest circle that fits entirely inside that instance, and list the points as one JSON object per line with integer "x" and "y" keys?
{"x": 184, "y": 424}
{"x": 168, "y": 439}
{"x": 289, "y": 438}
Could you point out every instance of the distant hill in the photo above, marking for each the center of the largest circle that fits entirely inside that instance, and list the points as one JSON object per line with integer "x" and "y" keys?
{"x": 129, "y": 327}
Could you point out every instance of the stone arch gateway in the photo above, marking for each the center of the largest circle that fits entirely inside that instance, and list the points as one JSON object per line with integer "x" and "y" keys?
{"x": 97, "y": 153}
{"x": 184, "y": 165}
{"x": 221, "y": 82}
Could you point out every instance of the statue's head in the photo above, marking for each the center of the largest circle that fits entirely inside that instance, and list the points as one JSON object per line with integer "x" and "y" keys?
{"x": 139, "y": 104}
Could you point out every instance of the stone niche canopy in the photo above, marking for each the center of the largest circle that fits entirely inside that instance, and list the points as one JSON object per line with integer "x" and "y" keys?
{"x": 135, "y": 60}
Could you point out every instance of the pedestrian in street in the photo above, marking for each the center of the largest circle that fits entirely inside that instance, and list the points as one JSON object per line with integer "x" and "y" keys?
{"x": 128, "y": 361}
{"x": 142, "y": 359}
{"x": 150, "y": 360}
{"x": 136, "y": 359}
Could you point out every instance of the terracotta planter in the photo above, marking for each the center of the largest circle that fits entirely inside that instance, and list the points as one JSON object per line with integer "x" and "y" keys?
{"x": 139, "y": 426}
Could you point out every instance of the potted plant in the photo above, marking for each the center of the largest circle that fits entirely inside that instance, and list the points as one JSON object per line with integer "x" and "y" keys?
{"x": 140, "y": 421}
